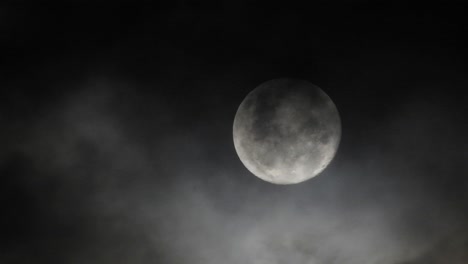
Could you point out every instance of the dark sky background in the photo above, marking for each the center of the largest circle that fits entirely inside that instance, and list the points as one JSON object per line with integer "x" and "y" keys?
{"x": 116, "y": 134}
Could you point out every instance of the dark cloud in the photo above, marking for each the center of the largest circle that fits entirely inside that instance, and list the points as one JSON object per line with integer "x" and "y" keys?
{"x": 89, "y": 188}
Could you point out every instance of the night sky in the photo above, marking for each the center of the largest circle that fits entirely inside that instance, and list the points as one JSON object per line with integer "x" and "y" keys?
{"x": 116, "y": 134}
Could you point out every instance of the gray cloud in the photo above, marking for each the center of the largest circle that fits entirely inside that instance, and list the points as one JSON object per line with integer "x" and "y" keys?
{"x": 128, "y": 191}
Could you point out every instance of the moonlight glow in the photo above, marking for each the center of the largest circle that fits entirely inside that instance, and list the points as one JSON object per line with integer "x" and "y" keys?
{"x": 286, "y": 131}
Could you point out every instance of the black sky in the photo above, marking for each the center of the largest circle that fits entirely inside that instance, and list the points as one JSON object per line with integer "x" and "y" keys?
{"x": 116, "y": 139}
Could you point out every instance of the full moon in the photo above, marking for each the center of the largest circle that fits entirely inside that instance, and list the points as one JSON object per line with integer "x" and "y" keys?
{"x": 286, "y": 131}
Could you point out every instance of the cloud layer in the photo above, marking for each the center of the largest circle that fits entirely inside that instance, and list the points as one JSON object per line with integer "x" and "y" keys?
{"x": 111, "y": 176}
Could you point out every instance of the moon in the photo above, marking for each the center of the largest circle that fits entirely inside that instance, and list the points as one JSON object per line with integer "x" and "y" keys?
{"x": 286, "y": 131}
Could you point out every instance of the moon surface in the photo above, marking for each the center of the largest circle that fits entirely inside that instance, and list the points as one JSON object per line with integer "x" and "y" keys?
{"x": 286, "y": 131}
